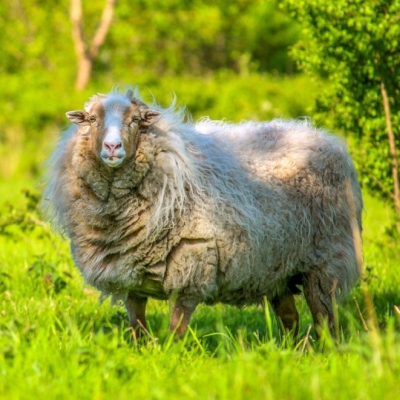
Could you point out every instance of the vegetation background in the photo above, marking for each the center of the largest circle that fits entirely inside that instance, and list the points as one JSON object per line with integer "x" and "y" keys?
{"x": 246, "y": 59}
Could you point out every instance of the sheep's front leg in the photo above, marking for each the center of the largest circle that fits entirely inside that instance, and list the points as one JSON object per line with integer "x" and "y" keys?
{"x": 136, "y": 308}
{"x": 180, "y": 315}
{"x": 190, "y": 278}
{"x": 285, "y": 308}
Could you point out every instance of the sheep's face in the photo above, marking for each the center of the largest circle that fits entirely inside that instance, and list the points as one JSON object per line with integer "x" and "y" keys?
{"x": 113, "y": 123}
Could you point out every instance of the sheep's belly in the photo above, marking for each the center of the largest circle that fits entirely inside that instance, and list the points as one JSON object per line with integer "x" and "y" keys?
{"x": 150, "y": 288}
{"x": 119, "y": 279}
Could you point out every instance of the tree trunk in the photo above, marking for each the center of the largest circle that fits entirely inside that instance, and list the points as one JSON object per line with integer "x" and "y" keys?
{"x": 86, "y": 54}
{"x": 392, "y": 146}
{"x": 84, "y": 72}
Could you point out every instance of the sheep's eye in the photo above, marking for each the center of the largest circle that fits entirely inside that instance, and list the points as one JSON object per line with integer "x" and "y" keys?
{"x": 135, "y": 120}
{"x": 92, "y": 119}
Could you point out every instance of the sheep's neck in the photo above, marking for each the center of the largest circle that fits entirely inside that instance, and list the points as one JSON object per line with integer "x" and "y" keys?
{"x": 111, "y": 183}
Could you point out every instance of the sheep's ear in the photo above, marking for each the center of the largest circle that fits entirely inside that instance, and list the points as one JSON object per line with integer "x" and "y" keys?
{"x": 78, "y": 117}
{"x": 149, "y": 117}
{"x": 130, "y": 95}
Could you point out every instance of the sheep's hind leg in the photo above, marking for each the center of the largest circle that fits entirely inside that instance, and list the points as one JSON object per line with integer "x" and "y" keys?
{"x": 182, "y": 310}
{"x": 319, "y": 291}
{"x": 285, "y": 308}
{"x": 136, "y": 308}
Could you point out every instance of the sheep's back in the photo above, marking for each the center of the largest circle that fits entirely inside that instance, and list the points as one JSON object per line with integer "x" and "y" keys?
{"x": 283, "y": 149}
{"x": 312, "y": 203}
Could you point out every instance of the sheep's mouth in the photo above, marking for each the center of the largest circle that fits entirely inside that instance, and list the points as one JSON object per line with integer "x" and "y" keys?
{"x": 113, "y": 161}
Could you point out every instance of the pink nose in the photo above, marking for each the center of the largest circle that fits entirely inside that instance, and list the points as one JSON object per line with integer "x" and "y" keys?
{"x": 112, "y": 146}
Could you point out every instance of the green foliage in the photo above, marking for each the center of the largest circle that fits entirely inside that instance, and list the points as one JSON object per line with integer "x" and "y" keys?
{"x": 147, "y": 36}
{"x": 174, "y": 37}
{"x": 234, "y": 98}
{"x": 353, "y": 45}
{"x": 57, "y": 341}
{"x": 26, "y": 218}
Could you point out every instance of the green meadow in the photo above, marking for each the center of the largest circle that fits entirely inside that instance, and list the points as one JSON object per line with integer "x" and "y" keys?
{"x": 57, "y": 341}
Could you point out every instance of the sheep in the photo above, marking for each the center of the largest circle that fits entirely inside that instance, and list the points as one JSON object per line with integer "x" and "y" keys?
{"x": 157, "y": 206}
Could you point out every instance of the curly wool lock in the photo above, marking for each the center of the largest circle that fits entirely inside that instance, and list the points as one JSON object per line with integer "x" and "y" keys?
{"x": 206, "y": 212}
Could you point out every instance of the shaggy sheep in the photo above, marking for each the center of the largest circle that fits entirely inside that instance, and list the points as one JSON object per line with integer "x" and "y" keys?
{"x": 207, "y": 212}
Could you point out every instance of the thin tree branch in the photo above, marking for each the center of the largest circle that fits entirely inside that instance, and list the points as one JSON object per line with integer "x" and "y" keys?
{"x": 392, "y": 145}
{"x": 364, "y": 324}
{"x": 85, "y": 53}
{"x": 77, "y": 29}
{"x": 103, "y": 28}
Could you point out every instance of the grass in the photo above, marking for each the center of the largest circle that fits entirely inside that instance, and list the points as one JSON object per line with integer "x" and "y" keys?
{"x": 58, "y": 342}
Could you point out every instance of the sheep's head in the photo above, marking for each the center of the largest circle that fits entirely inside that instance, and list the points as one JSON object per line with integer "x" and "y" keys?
{"x": 113, "y": 123}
